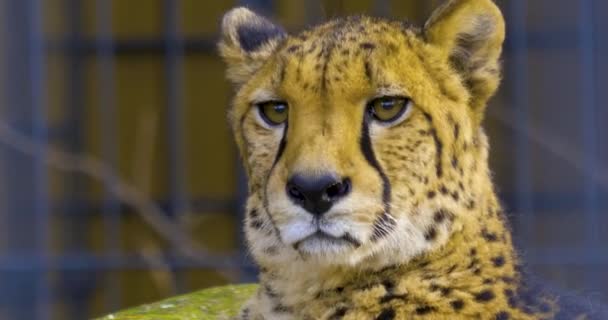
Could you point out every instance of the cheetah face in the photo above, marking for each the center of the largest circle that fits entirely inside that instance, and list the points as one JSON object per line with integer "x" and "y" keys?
{"x": 351, "y": 132}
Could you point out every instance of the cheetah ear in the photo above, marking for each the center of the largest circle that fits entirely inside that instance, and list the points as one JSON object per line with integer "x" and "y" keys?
{"x": 247, "y": 41}
{"x": 471, "y": 34}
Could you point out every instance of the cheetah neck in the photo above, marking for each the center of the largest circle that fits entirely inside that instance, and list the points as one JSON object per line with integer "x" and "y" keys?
{"x": 478, "y": 256}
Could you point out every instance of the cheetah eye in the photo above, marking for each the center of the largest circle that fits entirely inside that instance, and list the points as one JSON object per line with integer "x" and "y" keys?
{"x": 388, "y": 109}
{"x": 273, "y": 112}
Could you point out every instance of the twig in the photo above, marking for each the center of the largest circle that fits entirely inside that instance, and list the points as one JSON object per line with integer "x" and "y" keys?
{"x": 124, "y": 192}
{"x": 558, "y": 147}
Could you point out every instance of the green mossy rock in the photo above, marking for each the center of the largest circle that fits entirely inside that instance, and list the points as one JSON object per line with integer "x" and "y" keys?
{"x": 209, "y": 304}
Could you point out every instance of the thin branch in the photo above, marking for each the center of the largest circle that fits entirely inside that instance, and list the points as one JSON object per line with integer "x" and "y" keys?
{"x": 124, "y": 192}
{"x": 558, "y": 147}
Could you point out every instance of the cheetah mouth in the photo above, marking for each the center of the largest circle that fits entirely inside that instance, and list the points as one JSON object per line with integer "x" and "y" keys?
{"x": 320, "y": 238}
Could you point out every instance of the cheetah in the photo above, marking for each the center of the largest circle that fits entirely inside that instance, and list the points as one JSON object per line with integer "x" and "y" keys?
{"x": 369, "y": 192}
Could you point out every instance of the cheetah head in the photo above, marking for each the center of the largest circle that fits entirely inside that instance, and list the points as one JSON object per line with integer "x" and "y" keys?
{"x": 357, "y": 135}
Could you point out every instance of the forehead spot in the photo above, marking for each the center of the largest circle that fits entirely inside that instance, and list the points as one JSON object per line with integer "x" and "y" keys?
{"x": 367, "y": 46}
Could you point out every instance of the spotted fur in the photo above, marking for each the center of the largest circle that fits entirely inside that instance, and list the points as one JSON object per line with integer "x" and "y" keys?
{"x": 421, "y": 234}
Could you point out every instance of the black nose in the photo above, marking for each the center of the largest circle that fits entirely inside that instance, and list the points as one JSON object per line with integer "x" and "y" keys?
{"x": 317, "y": 194}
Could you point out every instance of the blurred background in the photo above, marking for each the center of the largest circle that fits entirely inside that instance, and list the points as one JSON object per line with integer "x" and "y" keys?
{"x": 120, "y": 183}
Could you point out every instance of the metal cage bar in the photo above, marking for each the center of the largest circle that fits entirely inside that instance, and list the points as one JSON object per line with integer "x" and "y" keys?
{"x": 109, "y": 117}
{"x": 174, "y": 53}
{"x": 39, "y": 133}
{"x": 590, "y": 131}
{"x": 520, "y": 97}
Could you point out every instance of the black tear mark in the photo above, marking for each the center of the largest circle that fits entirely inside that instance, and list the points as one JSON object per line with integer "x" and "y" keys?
{"x": 282, "y": 145}
{"x": 368, "y": 153}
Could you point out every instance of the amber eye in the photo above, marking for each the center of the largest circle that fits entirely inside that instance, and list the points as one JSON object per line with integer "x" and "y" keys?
{"x": 273, "y": 112}
{"x": 388, "y": 109}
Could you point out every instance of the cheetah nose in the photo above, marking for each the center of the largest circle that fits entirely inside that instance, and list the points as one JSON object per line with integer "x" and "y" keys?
{"x": 317, "y": 194}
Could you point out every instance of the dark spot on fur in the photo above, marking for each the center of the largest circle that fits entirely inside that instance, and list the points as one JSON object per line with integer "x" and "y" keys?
{"x": 272, "y": 250}
{"x": 498, "y": 261}
{"x": 279, "y": 308}
{"x": 473, "y": 263}
{"x": 386, "y": 314}
{"x": 245, "y": 314}
{"x": 489, "y": 236}
{"x": 339, "y": 313}
{"x": 471, "y": 204}
{"x": 431, "y": 234}
{"x": 431, "y": 194}
{"x": 503, "y": 315}
{"x": 444, "y": 191}
{"x": 422, "y": 310}
{"x": 446, "y": 291}
{"x": 270, "y": 292}
{"x": 389, "y": 285}
{"x": 507, "y": 280}
{"x": 455, "y": 196}
{"x": 438, "y": 150}
{"x": 390, "y": 297}
{"x": 368, "y": 70}
{"x": 367, "y": 46}
{"x": 293, "y": 48}
{"x": 253, "y": 213}
{"x": 484, "y": 296}
{"x": 457, "y": 304}
{"x": 256, "y": 224}
{"x": 454, "y": 162}
{"x": 424, "y": 132}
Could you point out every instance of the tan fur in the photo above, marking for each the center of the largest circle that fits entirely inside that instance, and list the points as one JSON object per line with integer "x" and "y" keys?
{"x": 447, "y": 253}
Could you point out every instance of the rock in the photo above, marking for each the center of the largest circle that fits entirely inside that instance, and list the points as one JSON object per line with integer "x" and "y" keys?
{"x": 209, "y": 304}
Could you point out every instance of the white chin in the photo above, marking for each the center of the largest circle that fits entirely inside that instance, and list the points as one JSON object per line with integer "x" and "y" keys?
{"x": 329, "y": 251}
